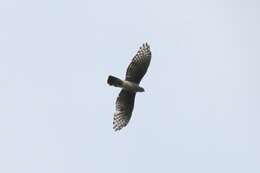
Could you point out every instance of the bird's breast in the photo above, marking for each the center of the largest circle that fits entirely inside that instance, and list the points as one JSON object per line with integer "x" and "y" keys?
{"x": 130, "y": 86}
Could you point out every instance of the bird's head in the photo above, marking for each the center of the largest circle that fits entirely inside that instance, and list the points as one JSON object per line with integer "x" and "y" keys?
{"x": 140, "y": 89}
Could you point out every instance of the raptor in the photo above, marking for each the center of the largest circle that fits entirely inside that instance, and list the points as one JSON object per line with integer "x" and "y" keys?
{"x": 130, "y": 86}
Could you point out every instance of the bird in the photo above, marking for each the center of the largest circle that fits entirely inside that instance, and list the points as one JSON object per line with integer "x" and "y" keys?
{"x": 130, "y": 86}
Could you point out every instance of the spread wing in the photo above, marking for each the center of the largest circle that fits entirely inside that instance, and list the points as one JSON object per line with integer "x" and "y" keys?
{"x": 139, "y": 65}
{"x": 124, "y": 108}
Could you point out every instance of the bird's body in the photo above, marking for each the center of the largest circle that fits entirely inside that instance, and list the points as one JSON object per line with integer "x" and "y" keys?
{"x": 124, "y": 84}
{"x": 134, "y": 74}
{"x": 132, "y": 87}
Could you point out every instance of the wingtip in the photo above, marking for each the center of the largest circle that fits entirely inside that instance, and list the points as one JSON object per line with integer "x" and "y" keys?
{"x": 117, "y": 128}
{"x": 146, "y": 45}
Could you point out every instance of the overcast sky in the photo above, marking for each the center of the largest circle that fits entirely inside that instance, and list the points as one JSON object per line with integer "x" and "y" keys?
{"x": 199, "y": 113}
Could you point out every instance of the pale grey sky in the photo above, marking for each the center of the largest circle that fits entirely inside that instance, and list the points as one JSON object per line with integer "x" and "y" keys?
{"x": 200, "y": 112}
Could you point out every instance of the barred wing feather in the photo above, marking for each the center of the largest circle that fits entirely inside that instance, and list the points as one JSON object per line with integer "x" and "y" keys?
{"x": 139, "y": 65}
{"x": 124, "y": 108}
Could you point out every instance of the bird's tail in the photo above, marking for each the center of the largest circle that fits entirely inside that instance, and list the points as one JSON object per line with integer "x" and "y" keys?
{"x": 114, "y": 81}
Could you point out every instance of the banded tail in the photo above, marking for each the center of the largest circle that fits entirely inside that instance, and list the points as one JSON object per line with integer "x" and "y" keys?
{"x": 114, "y": 81}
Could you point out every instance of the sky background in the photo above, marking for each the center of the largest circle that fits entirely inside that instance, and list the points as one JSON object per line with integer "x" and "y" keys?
{"x": 200, "y": 112}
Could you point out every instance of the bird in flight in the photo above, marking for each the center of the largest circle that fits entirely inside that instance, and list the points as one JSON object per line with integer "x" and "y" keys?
{"x": 134, "y": 74}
